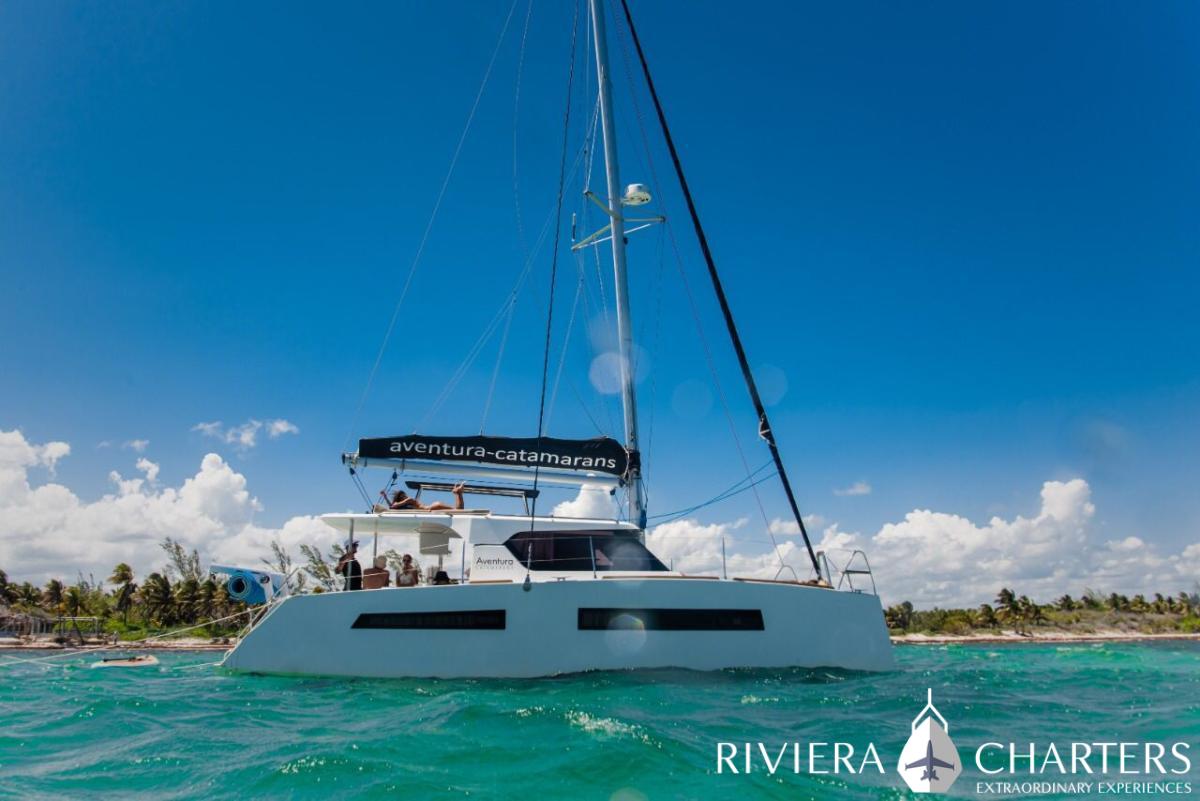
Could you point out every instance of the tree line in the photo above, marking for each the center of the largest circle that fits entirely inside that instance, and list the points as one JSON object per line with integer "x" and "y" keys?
{"x": 179, "y": 595}
{"x": 1018, "y": 612}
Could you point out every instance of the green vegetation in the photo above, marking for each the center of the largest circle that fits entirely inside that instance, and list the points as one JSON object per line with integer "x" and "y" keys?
{"x": 1089, "y": 614}
{"x": 178, "y": 596}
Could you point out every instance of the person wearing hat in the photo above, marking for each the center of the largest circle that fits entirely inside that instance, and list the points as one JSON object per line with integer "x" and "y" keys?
{"x": 349, "y": 568}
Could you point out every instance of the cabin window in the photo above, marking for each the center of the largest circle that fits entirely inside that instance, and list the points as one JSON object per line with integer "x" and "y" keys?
{"x": 470, "y": 619}
{"x": 582, "y": 550}
{"x": 596, "y": 619}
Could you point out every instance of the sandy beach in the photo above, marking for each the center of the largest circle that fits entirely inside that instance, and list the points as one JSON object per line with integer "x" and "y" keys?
{"x": 1002, "y": 637}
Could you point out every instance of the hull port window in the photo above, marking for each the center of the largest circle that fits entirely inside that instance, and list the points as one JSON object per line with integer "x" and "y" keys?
{"x": 592, "y": 619}
{"x": 601, "y": 551}
{"x": 476, "y": 619}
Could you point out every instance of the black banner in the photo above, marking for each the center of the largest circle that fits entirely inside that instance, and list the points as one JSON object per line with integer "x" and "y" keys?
{"x": 602, "y": 454}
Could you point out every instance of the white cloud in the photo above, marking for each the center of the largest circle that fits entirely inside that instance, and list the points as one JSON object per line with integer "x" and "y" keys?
{"x": 47, "y": 530}
{"x": 245, "y": 436}
{"x": 592, "y": 501}
{"x": 857, "y": 488}
{"x": 138, "y": 445}
{"x": 277, "y": 428}
{"x": 695, "y": 548}
{"x": 149, "y": 468}
{"x": 789, "y": 527}
{"x": 17, "y": 455}
{"x": 934, "y": 558}
{"x": 930, "y": 558}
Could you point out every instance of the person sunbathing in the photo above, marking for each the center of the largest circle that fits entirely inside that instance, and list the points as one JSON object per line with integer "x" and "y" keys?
{"x": 402, "y": 500}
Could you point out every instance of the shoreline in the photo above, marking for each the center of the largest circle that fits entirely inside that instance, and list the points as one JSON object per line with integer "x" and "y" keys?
{"x": 1066, "y": 637}
{"x": 181, "y": 644}
{"x": 1002, "y": 638}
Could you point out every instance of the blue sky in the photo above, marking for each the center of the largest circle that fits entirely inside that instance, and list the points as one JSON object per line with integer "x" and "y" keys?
{"x": 966, "y": 236}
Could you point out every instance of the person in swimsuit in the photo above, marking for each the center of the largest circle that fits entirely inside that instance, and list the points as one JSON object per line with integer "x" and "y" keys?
{"x": 409, "y": 575}
{"x": 402, "y": 500}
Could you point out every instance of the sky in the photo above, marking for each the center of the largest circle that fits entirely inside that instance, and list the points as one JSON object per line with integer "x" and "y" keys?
{"x": 960, "y": 242}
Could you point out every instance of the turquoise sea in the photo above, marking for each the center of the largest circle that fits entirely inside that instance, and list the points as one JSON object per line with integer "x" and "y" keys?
{"x": 188, "y": 730}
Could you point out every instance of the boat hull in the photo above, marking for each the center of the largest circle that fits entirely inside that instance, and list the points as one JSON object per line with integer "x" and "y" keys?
{"x": 544, "y": 632}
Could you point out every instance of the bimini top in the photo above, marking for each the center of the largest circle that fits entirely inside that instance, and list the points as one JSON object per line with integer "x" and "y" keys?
{"x": 477, "y": 526}
{"x": 599, "y": 455}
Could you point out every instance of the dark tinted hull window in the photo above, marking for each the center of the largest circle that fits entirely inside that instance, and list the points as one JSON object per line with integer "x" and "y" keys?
{"x": 592, "y": 619}
{"x": 477, "y": 619}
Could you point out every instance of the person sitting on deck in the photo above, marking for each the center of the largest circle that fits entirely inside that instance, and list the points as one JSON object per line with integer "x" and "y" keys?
{"x": 402, "y": 500}
{"x": 349, "y": 568}
{"x": 409, "y": 575}
{"x": 376, "y": 576}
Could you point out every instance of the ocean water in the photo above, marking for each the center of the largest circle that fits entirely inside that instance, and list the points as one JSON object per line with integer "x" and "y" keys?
{"x": 186, "y": 729}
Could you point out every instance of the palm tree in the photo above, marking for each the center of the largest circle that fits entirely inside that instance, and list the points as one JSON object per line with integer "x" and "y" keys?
{"x": 122, "y": 576}
{"x": 899, "y": 616}
{"x": 1006, "y": 599}
{"x": 187, "y": 600}
{"x": 8, "y": 592}
{"x": 28, "y": 595}
{"x": 52, "y": 596}
{"x": 1065, "y": 603}
{"x": 158, "y": 603}
{"x": 1138, "y": 605}
{"x": 75, "y": 601}
{"x": 986, "y": 617}
{"x": 1185, "y": 603}
{"x": 209, "y": 597}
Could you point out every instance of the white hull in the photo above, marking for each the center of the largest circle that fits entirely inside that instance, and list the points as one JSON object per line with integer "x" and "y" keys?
{"x": 802, "y": 626}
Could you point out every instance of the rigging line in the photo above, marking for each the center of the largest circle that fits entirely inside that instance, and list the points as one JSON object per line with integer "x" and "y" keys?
{"x": 764, "y": 423}
{"x": 487, "y": 404}
{"x": 437, "y": 205}
{"x": 696, "y": 319}
{"x": 562, "y": 356}
{"x": 710, "y": 361}
{"x": 516, "y": 128}
{"x": 735, "y": 487}
{"x": 474, "y": 351}
{"x": 717, "y": 499}
{"x": 655, "y": 342}
{"x": 562, "y": 175}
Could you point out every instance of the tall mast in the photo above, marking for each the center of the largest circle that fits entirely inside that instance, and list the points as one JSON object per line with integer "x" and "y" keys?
{"x": 637, "y": 509}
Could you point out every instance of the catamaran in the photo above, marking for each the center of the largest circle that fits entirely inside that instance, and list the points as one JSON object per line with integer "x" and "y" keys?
{"x": 527, "y": 594}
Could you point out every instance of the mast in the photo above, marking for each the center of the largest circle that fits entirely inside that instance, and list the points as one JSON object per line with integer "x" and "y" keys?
{"x": 637, "y": 509}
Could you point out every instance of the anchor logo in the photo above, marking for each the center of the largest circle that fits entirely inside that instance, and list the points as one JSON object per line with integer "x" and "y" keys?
{"x": 929, "y": 762}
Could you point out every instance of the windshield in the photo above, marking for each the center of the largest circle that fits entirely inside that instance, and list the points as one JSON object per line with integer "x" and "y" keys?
{"x": 583, "y": 550}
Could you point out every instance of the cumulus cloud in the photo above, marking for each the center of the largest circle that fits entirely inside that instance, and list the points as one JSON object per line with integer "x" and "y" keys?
{"x": 935, "y": 558}
{"x": 928, "y": 557}
{"x": 592, "y": 501}
{"x": 245, "y": 436}
{"x": 47, "y": 530}
{"x": 695, "y": 548}
{"x": 138, "y": 445}
{"x": 857, "y": 488}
